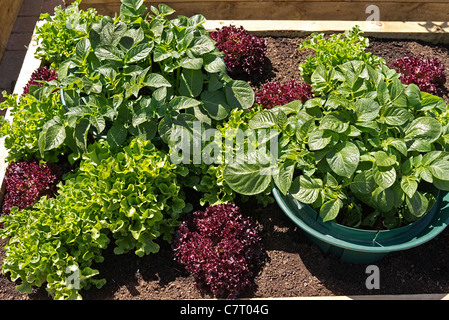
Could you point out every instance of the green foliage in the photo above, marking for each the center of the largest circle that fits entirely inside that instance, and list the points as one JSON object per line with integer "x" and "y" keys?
{"x": 29, "y": 114}
{"x": 336, "y": 49}
{"x": 143, "y": 76}
{"x": 365, "y": 141}
{"x": 129, "y": 194}
{"x": 59, "y": 33}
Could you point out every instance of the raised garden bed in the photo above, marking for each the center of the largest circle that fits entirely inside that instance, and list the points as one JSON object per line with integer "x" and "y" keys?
{"x": 295, "y": 267}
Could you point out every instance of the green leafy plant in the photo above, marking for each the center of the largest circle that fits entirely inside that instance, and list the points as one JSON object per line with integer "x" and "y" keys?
{"x": 143, "y": 76}
{"x": 58, "y": 35}
{"x": 128, "y": 194}
{"x": 366, "y": 151}
{"x": 336, "y": 49}
{"x": 29, "y": 115}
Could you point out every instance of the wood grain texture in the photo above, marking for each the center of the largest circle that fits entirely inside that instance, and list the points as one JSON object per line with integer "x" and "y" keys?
{"x": 8, "y": 15}
{"x": 392, "y": 10}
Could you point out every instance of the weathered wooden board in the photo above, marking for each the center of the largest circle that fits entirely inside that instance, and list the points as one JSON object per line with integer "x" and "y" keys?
{"x": 389, "y": 10}
{"x": 8, "y": 15}
{"x": 434, "y": 32}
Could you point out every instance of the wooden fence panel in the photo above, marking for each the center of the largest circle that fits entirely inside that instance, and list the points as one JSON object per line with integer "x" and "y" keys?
{"x": 390, "y": 10}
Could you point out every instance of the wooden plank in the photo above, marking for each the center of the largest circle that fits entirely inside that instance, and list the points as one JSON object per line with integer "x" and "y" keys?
{"x": 295, "y": 10}
{"x": 434, "y": 32}
{"x": 30, "y": 64}
{"x": 8, "y": 15}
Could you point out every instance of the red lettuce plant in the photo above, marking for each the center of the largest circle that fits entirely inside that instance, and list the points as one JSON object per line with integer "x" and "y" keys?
{"x": 244, "y": 53}
{"x": 427, "y": 73}
{"x": 220, "y": 248}
{"x": 27, "y": 181}
{"x": 44, "y": 73}
{"x": 276, "y": 94}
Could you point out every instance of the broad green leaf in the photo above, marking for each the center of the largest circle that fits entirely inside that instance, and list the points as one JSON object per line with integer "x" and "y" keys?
{"x": 117, "y": 135}
{"x": 109, "y": 52}
{"x": 191, "y": 83}
{"x": 145, "y": 130}
{"x": 409, "y": 185}
{"x": 344, "y": 159}
{"x": 382, "y": 199}
{"x": 214, "y": 64}
{"x": 54, "y": 137}
{"x": 441, "y": 184}
{"x": 430, "y": 102}
{"x": 385, "y": 177}
{"x": 413, "y": 95}
{"x": 334, "y": 121}
{"x": 397, "y": 93}
{"x": 440, "y": 169}
{"x": 82, "y": 49}
{"x": 284, "y": 178}
{"x": 306, "y": 189}
{"x": 383, "y": 159}
{"x": 239, "y": 94}
{"x": 181, "y": 102}
{"x": 366, "y": 109}
{"x": 202, "y": 45}
{"x": 215, "y": 104}
{"x": 318, "y": 139}
{"x": 133, "y": 4}
{"x": 156, "y": 80}
{"x": 363, "y": 182}
{"x": 161, "y": 53}
{"x": 172, "y": 129}
{"x": 330, "y": 209}
{"x": 98, "y": 122}
{"x": 399, "y": 145}
{"x": 424, "y": 128}
{"x": 165, "y": 10}
{"x": 395, "y": 116}
{"x": 139, "y": 52}
{"x": 191, "y": 63}
{"x": 417, "y": 204}
{"x": 247, "y": 178}
{"x": 262, "y": 120}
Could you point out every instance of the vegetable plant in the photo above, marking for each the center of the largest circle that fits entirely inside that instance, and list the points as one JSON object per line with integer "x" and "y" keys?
{"x": 221, "y": 248}
{"x": 58, "y": 35}
{"x": 129, "y": 195}
{"x": 336, "y": 49}
{"x": 39, "y": 76}
{"x": 30, "y": 114}
{"x": 427, "y": 73}
{"x": 142, "y": 75}
{"x": 367, "y": 151}
{"x": 276, "y": 94}
{"x": 244, "y": 53}
{"x": 27, "y": 181}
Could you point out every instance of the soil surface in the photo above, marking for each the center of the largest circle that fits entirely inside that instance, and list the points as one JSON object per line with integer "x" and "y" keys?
{"x": 295, "y": 267}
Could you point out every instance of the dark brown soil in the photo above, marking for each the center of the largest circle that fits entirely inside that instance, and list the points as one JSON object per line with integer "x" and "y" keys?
{"x": 295, "y": 267}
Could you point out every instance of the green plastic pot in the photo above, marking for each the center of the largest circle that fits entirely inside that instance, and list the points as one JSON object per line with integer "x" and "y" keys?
{"x": 364, "y": 246}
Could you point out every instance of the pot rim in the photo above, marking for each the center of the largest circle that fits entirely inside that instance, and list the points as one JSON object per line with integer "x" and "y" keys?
{"x": 406, "y": 240}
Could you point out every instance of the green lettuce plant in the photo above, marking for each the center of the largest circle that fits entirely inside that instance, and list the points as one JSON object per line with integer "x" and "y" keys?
{"x": 58, "y": 35}
{"x": 29, "y": 115}
{"x": 129, "y": 195}
{"x": 335, "y": 49}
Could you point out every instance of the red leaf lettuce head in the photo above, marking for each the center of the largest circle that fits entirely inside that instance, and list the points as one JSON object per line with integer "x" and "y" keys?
{"x": 221, "y": 248}
{"x": 244, "y": 53}
{"x": 427, "y": 73}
